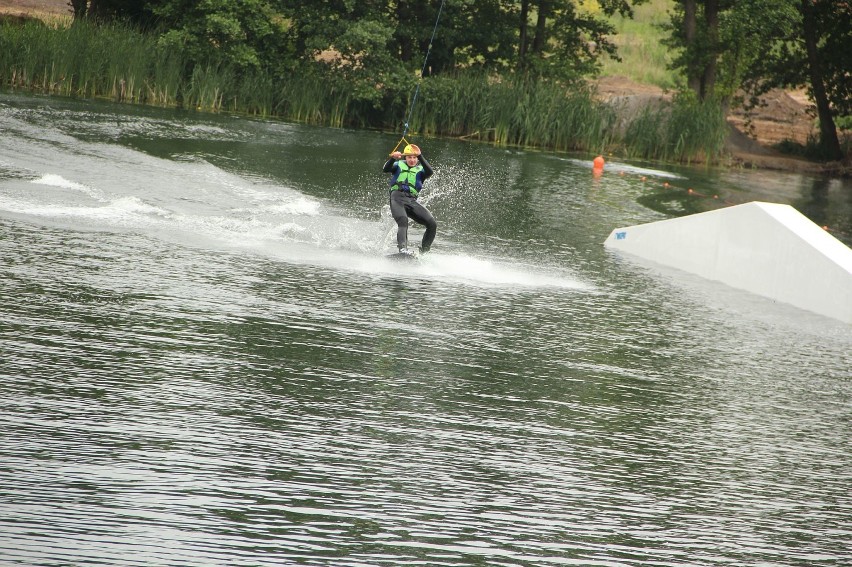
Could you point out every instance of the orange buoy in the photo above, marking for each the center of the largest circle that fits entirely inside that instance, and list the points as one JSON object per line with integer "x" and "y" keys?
{"x": 598, "y": 163}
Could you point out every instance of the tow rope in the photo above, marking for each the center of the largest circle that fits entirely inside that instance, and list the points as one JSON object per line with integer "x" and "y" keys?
{"x": 417, "y": 90}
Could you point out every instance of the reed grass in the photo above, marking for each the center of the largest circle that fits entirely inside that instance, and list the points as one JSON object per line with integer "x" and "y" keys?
{"x": 164, "y": 84}
{"x": 684, "y": 130}
{"x": 253, "y": 94}
{"x": 117, "y": 62}
{"x": 81, "y": 59}
{"x": 300, "y": 99}
{"x": 513, "y": 112}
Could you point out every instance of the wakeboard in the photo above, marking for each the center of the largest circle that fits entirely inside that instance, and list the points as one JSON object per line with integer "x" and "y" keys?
{"x": 402, "y": 257}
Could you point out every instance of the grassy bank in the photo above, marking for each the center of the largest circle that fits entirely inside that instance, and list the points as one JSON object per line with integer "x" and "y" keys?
{"x": 120, "y": 63}
{"x": 644, "y": 58}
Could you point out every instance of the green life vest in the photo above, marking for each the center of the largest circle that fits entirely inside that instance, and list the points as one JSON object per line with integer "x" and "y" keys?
{"x": 406, "y": 181}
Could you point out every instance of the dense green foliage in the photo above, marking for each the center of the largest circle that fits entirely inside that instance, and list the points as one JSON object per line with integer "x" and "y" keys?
{"x": 245, "y": 34}
{"x": 509, "y": 72}
{"x": 542, "y": 38}
{"x": 515, "y": 112}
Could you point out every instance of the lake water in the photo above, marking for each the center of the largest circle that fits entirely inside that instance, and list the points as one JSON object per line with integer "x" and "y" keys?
{"x": 206, "y": 359}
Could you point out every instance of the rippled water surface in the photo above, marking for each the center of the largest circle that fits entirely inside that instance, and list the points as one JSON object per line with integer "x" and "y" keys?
{"x": 206, "y": 360}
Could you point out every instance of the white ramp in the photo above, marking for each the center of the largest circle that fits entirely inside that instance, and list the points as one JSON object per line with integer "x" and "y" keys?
{"x": 765, "y": 248}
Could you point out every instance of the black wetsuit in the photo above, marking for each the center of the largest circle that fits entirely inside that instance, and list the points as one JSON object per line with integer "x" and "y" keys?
{"x": 404, "y": 206}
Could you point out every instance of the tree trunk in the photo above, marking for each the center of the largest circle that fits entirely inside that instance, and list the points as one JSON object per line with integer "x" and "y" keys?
{"x": 827, "y": 130}
{"x": 80, "y": 7}
{"x": 545, "y": 7}
{"x": 522, "y": 42}
{"x": 708, "y": 76}
{"x": 96, "y": 10}
{"x": 690, "y": 26}
{"x": 406, "y": 49}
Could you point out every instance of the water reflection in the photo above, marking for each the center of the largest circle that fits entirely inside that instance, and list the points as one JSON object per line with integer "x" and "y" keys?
{"x": 828, "y": 203}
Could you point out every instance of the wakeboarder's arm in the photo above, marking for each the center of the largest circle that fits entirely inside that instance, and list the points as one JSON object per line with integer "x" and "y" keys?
{"x": 388, "y": 168}
{"x": 427, "y": 169}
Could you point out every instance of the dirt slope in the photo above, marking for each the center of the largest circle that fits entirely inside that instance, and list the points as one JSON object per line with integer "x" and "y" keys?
{"x": 35, "y": 7}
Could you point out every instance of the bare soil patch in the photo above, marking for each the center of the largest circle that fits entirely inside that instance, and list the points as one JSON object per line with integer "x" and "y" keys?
{"x": 36, "y": 7}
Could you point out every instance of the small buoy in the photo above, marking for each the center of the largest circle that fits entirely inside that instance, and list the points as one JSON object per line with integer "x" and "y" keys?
{"x": 598, "y": 162}
{"x": 825, "y": 227}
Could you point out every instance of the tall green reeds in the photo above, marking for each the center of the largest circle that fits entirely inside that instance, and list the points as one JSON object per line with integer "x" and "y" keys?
{"x": 684, "y": 130}
{"x": 209, "y": 86}
{"x": 82, "y": 59}
{"x": 513, "y": 111}
{"x": 314, "y": 99}
{"x": 119, "y": 62}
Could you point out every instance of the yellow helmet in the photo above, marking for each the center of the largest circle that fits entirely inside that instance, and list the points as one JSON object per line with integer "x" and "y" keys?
{"x": 411, "y": 150}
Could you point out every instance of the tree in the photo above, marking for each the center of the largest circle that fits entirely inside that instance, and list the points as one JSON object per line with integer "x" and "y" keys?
{"x": 556, "y": 40}
{"x": 348, "y": 41}
{"x": 247, "y": 34}
{"x": 746, "y": 30}
{"x": 542, "y": 38}
{"x": 133, "y": 10}
{"x": 695, "y": 32}
{"x": 811, "y": 49}
{"x": 470, "y": 33}
{"x": 757, "y": 45}
{"x": 816, "y": 20}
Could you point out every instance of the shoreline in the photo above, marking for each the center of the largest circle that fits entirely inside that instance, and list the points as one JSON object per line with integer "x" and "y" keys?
{"x": 784, "y": 116}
